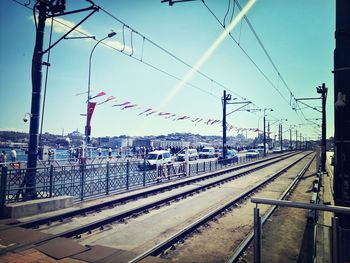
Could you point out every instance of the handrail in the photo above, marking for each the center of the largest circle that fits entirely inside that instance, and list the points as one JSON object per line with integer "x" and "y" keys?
{"x": 329, "y": 208}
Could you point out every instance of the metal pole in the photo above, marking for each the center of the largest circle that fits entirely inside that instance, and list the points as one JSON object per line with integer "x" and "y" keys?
{"x": 324, "y": 98}
{"x": 51, "y": 181}
{"x": 257, "y": 235}
{"x": 30, "y": 177}
{"x": 224, "y": 125}
{"x": 264, "y": 135}
{"x": 281, "y": 138}
{"x": 290, "y": 138}
{"x": 87, "y": 127}
{"x": 335, "y": 240}
{"x": 3, "y": 187}
{"x": 127, "y": 174}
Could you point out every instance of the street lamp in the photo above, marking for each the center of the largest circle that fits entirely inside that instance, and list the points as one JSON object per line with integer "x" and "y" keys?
{"x": 269, "y": 109}
{"x": 88, "y": 127}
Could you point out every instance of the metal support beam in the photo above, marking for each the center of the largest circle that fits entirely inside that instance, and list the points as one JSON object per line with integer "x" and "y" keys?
{"x": 257, "y": 235}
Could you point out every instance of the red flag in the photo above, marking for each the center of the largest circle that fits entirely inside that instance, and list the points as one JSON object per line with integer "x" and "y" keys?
{"x": 129, "y": 106}
{"x": 99, "y": 94}
{"x": 163, "y": 113}
{"x": 108, "y": 99}
{"x": 183, "y": 118}
{"x": 91, "y": 111}
{"x": 170, "y": 116}
{"x": 122, "y": 104}
{"x": 149, "y": 109}
{"x": 154, "y": 111}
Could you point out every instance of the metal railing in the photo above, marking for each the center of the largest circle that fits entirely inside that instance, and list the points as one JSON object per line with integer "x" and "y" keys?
{"x": 93, "y": 179}
{"x": 336, "y": 247}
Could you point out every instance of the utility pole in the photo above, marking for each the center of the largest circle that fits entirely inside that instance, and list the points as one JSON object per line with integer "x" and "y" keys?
{"x": 37, "y": 61}
{"x": 225, "y": 98}
{"x": 323, "y": 91}
{"x": 47, "y": 9}
{"x": 281, "y": 142}
{"x": 290, "y": 138}
{"x": 264, "y": 111}
{"x": 342, "y": 109}
{"x": 296, "y": 139}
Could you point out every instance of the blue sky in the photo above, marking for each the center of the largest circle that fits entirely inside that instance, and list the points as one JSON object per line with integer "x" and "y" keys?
{"x": 299, "y": 36}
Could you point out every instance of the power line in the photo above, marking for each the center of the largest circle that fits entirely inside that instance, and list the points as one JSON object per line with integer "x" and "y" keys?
{"x": 247, "y": 55}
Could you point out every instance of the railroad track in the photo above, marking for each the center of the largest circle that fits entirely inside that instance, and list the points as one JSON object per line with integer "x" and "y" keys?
{"x": 35, "y": 223}
{"x": 181, "y": 235}
{"x": 76, "y": 232}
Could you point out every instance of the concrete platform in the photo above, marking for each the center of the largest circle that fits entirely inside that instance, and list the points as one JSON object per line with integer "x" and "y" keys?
{"x": 34, "y": 207}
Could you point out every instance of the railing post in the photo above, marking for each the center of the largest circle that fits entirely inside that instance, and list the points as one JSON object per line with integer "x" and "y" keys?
{"x": 127, "y": 174}
{"x": 335, "y": 240}
{"x": 144, "y": 172}
{"x": 257, "y": 235}
{"x": 3, "y": 187}
{"x": 82, "y": 181}
{"x": 204, "y": 166}
{"x": 197, "y": 167}
{"x": 210, "y": 166}
{"x": 107, "y": 178}
{"x": 51, "y": 180}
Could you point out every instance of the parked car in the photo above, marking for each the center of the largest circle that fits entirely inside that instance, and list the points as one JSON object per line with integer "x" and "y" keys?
{"x": 192, "y": 155}
{"x": 218, "y": 152}
{"x": 207, "y": 152}
{"x": 231, "y": 157}
{"x": 156, "y": 158}
{"x": 252, "y": 153}
{"x": 276, "y": 150}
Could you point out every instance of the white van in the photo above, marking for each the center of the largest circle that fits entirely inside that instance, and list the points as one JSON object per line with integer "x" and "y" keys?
{"x": 158, "y": 157}
{"x": 207, "y": 152}
{"x": 192, "y": 155}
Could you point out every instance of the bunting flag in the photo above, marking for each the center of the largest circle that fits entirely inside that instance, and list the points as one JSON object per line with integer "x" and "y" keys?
{"x": 102, "y": 93}
{"x": 183, "y": 118}
{"x": 149, "y": 109}
{"x": 122, "y": 104}
{"x": 129, "y": 106}
{"x": 154, "y": 111}
{"x": 163, "y": 113}
{"x": 106, "y": 100}
{"x": 207, "y": 123}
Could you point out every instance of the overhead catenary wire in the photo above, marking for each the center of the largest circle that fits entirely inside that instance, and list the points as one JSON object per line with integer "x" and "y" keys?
{"x": 246, "y": 54}
{"x": 144, "y": 38}
{"x": 171, "y": 54}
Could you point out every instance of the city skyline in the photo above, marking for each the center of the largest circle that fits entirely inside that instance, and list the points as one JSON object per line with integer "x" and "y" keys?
{"x": 188, "y": 30}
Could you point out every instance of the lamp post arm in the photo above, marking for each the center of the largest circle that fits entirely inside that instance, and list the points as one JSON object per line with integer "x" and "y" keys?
{"x": 89, "y": 88}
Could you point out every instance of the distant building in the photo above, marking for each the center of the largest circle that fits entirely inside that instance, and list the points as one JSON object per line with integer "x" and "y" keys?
{"x": 170, "y": 143}
{"x": 104, "y": 141}
{"x": 142, "y": 143}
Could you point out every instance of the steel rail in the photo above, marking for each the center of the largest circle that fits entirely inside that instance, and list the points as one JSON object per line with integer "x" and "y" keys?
{"x": 245, "y": 243}
{"x": 82, "y": 211}
{"x": 165, "y": 244}
{"x": 121, "y": 216}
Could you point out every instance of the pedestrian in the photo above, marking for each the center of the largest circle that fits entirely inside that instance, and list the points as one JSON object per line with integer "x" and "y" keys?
{"x": 13, "y": 155}
{"x": 110, "y": 152}
{"x": 3, "y": 158}
{"x": 99, "y": 150}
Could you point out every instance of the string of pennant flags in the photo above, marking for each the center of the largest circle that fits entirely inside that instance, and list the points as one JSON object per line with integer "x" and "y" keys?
{"x": 151, "y": 111}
